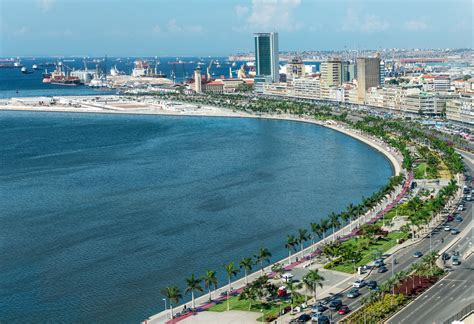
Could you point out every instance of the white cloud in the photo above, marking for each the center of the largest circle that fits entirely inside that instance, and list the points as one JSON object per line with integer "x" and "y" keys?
{"x": 45, "y": 5}
{"x": 415, "y": 25}
{"x": 173, "y": 27}
{"x": 368, "y": 23}
{"x": 21, "y": 31}
{"x": 241, "y": 11}
{"x": 269, "y": 15}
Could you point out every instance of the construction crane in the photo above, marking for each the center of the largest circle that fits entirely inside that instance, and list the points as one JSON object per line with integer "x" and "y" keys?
{"x": 208, "y": 70}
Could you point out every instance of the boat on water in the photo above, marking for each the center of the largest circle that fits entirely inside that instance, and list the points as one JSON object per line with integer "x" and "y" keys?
{"x": 10, "y": 64}
{"x": 61, "y": 77}
{"x": 98, "y": 82}
{"x": 35, "y": 67}
{"x": 24, "y": 70}
{"x": 114, "y": 71}
{"x": 46, "y": 77}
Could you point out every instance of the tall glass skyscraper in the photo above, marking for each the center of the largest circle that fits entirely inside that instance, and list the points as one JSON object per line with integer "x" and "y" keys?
{"x": 266, "y": 55}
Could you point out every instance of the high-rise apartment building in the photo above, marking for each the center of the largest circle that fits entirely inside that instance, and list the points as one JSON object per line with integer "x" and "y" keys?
{"x": 295, "y": 69}
{"x": 331, "y": 72}
{"x": 348, "y": 71}
{"x": 266, "y": 56}
{"x": 368, "y": 75}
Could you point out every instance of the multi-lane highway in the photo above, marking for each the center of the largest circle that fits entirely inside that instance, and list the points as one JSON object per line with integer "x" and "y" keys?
{"x": 404, "y": 257}
{"x": 444, "y": 299}
{"x": 449, "y": 295}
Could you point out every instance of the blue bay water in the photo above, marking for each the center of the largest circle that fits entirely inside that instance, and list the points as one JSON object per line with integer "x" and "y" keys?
{"x": 100, "y": 212}
{"x": 13, "y": 83}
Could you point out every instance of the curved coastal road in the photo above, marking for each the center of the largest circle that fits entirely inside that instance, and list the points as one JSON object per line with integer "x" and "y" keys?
{"x": 445, "y": 308}
{"x": 453, "y": 292}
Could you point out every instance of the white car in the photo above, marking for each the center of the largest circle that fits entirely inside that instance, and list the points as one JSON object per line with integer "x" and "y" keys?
{"x": 359, "y": 283}
{"x": 447, "y": 228}
{"x": 460, "y": 207}
{"x": 287, "y": 276}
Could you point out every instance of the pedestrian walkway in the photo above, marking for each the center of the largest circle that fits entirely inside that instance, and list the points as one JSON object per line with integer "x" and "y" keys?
{"x": 307, "y": 259}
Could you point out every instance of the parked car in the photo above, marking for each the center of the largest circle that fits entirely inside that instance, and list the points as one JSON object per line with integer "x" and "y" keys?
{"x": 303, "y": 318}
{"x": 445, "y": 256}
{"x": 335, "y": 304}
{"x": 287, "y": 276}
{"x": 455, "y": 260}
{"x": 447, "y": 228}
{"x": 343, "y": 310}
{"x": 372, "y": 284}
{"x": 458, "y": 219}
{"x": 353, "y": 293}
{"x": 359, "y": 283}
{"x": 450, "y": 218}
{"x": 454, "y": 231}
{"x": 320, "y": 319}
{"x": 320, "y": 308}
{"x": 379, "y": 263}
{"x": 418, "y": 254}
{"x": 461, "y": 207}
{"x": 382, "y": 269}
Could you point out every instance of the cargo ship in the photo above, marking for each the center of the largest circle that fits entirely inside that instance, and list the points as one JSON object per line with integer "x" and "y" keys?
{"x": 10, "y": 63}
{"x": 60, "y": 77}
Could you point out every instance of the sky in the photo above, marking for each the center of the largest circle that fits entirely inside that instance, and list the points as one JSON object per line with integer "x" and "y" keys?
{"x": 223, "y": 27}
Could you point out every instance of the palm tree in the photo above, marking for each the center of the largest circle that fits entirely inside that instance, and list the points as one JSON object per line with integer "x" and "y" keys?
{"x": 246, "y": 264}
{"x": 345, "y": 216}
{"x": 324, "y": 223}
{"x": 174, "y": 295}
{"x": 193, "y": 284}
{"x": 317, "y": 230}
{"x": 278, "y": 269}
{"x": 249, "y": 293}
{"x": 210, "y": 279}
{"x": 334, "y": 222}
{"x": 303, "y": 236}
{"x": 312, "y": 280}
{"x": 231, "y": 272}
{"x": 352, "y": 212}
{"x": 290, "y": 245}
{"x": 262, "y": 255}
{"x": 293, "y": 289}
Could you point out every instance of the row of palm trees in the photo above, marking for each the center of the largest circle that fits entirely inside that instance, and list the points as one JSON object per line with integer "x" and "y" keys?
{"x": 194, "y": 284}
{"x": 335, "y": 221}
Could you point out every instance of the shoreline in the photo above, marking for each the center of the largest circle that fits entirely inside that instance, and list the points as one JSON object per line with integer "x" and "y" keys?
{"x": 390, "y": 155}
{"x": 225, "y": 112}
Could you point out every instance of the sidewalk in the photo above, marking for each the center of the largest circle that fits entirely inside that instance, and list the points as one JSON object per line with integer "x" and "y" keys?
{"x": 306, "y": 256}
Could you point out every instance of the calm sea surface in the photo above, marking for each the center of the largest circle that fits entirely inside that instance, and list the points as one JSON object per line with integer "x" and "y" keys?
{"x": 13, "y": 83}
{"x": 100, "y": 212}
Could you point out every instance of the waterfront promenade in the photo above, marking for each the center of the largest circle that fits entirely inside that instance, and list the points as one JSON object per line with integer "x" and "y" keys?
{"x": 192, "y": 110}
{"x": 305, "y": 258}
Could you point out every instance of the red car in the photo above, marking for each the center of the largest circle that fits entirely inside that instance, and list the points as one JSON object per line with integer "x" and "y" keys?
{"x": 343, "y": 310}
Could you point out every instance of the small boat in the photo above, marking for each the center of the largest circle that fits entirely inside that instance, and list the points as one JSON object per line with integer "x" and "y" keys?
{"x": 24, "y": 70}
{"x": 35, "y": 67}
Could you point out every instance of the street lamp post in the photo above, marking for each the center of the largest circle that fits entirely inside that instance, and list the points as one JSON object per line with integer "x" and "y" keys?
{"x": 393, "y": 264}
{"x": 166, "y": 307}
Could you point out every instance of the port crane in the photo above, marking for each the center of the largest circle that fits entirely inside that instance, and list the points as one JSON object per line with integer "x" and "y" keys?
{"x": 174, "y": 69}
{"x": 208, "y": 70}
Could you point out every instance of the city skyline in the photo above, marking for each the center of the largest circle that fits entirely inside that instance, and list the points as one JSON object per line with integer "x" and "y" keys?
{"x": 201, "y": 28}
